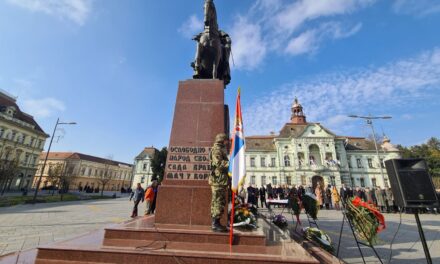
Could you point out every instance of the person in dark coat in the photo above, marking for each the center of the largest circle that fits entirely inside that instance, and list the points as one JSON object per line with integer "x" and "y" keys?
{"x": 257, "y": 195}
{"x": 269, "y": 191}
{"x": 280, "y": 192}
{"x": 251, "y": 195}
{"x": 328, "y": 198}
{"x": 263, "y": 196}
{"x": 137, "y": 195}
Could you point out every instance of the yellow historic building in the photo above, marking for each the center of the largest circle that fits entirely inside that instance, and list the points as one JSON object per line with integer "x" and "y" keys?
{"x": 81, "y": 171}
{"x": 21, "y": 142}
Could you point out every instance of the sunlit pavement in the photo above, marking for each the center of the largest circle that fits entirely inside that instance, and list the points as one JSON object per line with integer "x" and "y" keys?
{"x": 406, "y": 247}
{"x": 28, "y": 226}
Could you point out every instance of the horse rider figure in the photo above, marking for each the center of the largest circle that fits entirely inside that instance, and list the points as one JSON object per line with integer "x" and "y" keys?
{"x": 213, "y": 49}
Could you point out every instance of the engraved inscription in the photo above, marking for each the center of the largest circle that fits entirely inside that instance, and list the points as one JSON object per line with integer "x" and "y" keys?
{"x": 188, "y": 163}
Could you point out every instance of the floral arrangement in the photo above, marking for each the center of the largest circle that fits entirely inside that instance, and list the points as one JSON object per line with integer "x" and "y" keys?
{"x": 310, "y": 205}
{"x": 245, "y": 215}
{"x": 366, "y": 219}
{"x": 320, "y": 237}
{"x": 280, "y": 221}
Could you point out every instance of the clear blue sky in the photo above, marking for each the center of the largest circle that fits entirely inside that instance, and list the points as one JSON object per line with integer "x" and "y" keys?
{"x": 113, "y": 65}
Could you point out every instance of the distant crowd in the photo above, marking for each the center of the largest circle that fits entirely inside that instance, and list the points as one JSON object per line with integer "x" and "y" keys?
{"x": 327, "y": 197}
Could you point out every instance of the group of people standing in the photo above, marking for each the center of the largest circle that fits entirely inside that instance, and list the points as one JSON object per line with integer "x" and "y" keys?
{"x": 327, "y": 197}
{"x": 255, "y": 194}
{"x": 383, "y": 199}
{"x": 149, "y": 195}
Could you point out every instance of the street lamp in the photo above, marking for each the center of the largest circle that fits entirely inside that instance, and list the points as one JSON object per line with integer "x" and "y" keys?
{"x": 47, "y": 155}
{"x": 369, "y": 119}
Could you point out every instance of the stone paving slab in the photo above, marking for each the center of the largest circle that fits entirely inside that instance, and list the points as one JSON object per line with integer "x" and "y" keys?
{"x": 407, "y": 248}
{"x": 28, "y": 226}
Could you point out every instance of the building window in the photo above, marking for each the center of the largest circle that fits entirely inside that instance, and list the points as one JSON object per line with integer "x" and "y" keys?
{"x": 312, "y": 131}
{"x": 386, "y": 183}
{"x": 373, "y": 182}
{"x": 362, "y": 182}
{"x": 370, "y": 163}
{"x": 263, "y": 161}
{"x": 303, "y": 180}
{"x": 286, "y": 161}
{"x": 83, "y": 171}
{"x": 359, "y": 163}
{"x": 382, "y": 165}
{"x": 352, "y": 181}
{"x": 299, "y": 145}
{"x": 2, "y": 131}
{"x": 274, "y": 180}
{"x": 144, "y": 166}
{"x": 252, "y": 162}
{"x": 333, "y": 180}
{"x": 272, "y": 162}
{"x": 289, "y": 180}
{"x": 263, "y": 180}
{"x": 253, "y": 180}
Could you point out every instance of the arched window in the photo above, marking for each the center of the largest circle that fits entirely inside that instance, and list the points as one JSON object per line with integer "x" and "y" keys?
{"x": 286, "y": 161}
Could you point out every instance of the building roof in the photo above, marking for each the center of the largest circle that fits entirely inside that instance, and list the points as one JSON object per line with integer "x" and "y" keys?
{"x": 292, "y": 130}
{"x": 80, "y": 156}
{"x": 149, "y": 151}
{"x": 7, "y": 101}
{"x": 357, "y": 143}
{"x": 260, "y": 143}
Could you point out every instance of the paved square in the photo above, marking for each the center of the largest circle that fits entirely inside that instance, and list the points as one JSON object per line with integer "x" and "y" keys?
{"x": 406, "y": 247}
{"x": 28, "y": 226}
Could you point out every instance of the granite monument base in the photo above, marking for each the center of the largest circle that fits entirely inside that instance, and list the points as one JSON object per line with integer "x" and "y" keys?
{"x": 184, "y": 198}
{"x": 142, "y": 241}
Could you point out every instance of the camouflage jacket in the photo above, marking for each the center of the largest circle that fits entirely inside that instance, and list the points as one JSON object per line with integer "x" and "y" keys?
{"x": 219, "y": 165}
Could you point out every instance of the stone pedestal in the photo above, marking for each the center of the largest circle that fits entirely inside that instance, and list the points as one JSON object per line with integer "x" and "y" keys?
{"x": 184, "y": 197}
{"x": 180, "y": 231}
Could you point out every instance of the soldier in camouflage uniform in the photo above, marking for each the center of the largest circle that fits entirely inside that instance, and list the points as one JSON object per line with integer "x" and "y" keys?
{"x": 219, "y": 180}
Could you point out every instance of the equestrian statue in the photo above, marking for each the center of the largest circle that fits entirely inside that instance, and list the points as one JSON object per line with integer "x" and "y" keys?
{"x": 213, "y": 49}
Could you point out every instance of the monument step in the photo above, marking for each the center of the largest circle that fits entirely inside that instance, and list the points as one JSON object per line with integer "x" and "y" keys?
{"x": 91, "y": 249}
{"x": 176, "y": 252}
{"x": 135, "y": 234}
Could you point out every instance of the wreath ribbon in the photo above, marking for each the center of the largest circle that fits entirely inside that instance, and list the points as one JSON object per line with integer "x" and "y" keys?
{"x": 358, "y": 202}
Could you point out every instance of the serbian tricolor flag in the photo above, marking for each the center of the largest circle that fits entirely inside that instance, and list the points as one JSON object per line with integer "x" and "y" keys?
{"x": 237, "y": 161}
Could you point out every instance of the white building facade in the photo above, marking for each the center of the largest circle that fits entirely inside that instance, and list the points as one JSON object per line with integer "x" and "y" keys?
{"x": 307, "y": 153}
{"x": 142, "y": 167}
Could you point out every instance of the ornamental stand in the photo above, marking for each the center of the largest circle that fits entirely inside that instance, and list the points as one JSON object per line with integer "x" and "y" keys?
{"x": 358, "y": 243}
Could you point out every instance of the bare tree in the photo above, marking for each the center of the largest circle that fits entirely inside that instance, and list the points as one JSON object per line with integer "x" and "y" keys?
{"x": 54, "y": 175}
{"x": 67, "y": 177}
{"x": 9, "y": 167}
{"x": 105, "y": 176}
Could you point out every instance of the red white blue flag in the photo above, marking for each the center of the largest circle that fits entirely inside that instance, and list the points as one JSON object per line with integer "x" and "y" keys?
{"x": 237, "y": 161}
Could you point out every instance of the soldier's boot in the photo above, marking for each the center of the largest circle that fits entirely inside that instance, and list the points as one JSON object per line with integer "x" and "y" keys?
{"x": 216, "y": 226}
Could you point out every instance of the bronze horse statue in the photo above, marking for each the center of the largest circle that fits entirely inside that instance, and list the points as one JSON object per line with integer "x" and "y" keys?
{"x": 213, "y": 49}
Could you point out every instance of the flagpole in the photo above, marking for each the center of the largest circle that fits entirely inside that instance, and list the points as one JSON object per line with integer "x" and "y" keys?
{"x": 231, "y": 221}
